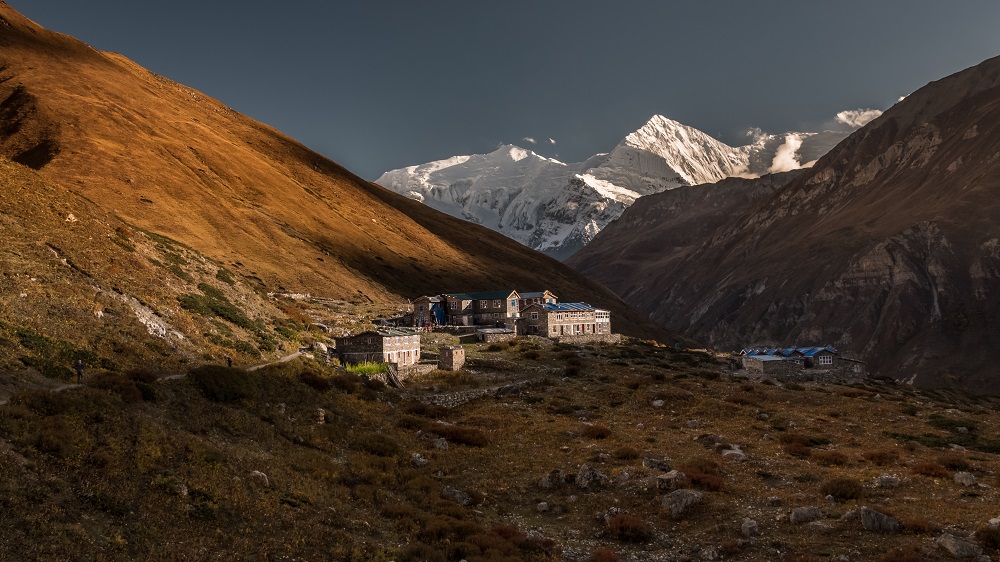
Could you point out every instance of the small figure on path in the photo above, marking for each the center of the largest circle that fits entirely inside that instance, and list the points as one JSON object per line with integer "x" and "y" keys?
{"x": 79, "y": 371}
{"x": 229, "y": 361}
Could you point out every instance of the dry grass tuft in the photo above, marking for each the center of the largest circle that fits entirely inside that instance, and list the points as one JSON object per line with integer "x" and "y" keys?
{"x": 842, "y": 488}
{"x": 629, "y": 528}
{"x": 932, "y": 469}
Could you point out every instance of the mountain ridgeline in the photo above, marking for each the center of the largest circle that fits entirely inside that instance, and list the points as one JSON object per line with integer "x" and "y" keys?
{"x": 558, "y": 208}
{"x": 889, "y": 246}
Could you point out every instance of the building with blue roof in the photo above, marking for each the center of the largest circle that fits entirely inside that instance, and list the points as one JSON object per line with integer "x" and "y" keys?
{"x": 565, "y": 319}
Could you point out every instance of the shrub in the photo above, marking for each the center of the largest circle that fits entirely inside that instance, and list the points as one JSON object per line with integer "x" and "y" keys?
{"x": 626, "y": 453}
{"x": 461, "y": 435}
{"x": 828, "y": 458}
{"x": 346, "y": 382}
{"x": 629, "y": 528}
{"x": 988, "y": 538}
{"x": 932, "y": 469}
{"x": 532, "y": 354}
{"x": 365, "y": 368}
{"x": 954, "y": 461}
{"x": 704, "y": 473}
{"x": 603, "y": 554}
{"x": 124, "y": 388}
{"x": 375, "y": 444}
{"x": 495, "y": 347}
{"x": 315, "y": 380}
{"x": 903, "y": 554}
{"x": 880, "y": 457}
{"x": 425, "y": 410}
{"x": 920, "y": 526}
{"x": 225, "y": 384}
{"x": 842, "y": 488}
{"x": 572, "y": 371}
{"x": 596, "y": 431}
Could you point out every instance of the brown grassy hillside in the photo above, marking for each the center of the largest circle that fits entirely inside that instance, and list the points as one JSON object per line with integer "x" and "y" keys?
{"x": 173, "y": 161}
{"x": 240, "y": 466}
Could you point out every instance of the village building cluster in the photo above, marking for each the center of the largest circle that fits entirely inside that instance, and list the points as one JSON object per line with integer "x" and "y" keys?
{"x": 492, "y": 315}
{"x": 801, "y": 363}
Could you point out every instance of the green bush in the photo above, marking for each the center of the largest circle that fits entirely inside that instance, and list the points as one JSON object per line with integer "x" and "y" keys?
{"x": 225, "y": 384}
{"x": 365, "y": 368}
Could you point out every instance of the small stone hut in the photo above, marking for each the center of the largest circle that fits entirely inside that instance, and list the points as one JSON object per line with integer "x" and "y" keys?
{"x": 451, "y": 357}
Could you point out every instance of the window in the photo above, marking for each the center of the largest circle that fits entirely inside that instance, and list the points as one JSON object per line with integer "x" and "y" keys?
{"x": 554, "y": 329}
{"x": 825, "y": 360}
{"x": 496, "y": 315}
{"x": 454, "y": 305}
{"x": 513, "y": 304}
{"x": 484, "y": 304}
{"x": 497, "y": 304}
{"x": 534, "y": 316}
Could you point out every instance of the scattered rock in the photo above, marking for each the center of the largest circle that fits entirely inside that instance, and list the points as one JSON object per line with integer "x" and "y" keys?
{"x": 709, "y": 553}
{"x": 656, "y": 464}
{"x": 658, "y": 403}
{"x": 441, "y": 443}
{"x": 957, "y": 547}
{"x": 260, "y": 478}
{"x": 640, "y": 426}
{"x": 589, "y": 477}
{"x": 775, "y": 501}
{"x": 734, "y": 453}
{"x": 878, "y": 522}
{"x": 418, "y": 460}
{"x": 749, "y": 528}
{"x": 680, "y": 502}
{"x": 542, "y": 507}
{"x": 801, "y": 515}
{"x": 711, "y": 440}
{"x": 849, "y": 516}
{"x": 694, "y": 424}
{"x": 763, "y": 417}
{"x": 456, "y": 495}
{"x": 965, "y": 478}
{"x": 671, "y": 480}
{"x": 606, "y": 516}
{"x": 994, "y": 523}
{"x": 886, "y": 480}
{"x": 962, "y": 429}
{"x": 320, "y": 416}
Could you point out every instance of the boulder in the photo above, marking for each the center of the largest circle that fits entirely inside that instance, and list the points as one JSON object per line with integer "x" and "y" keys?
{"x": 418, "y": 460}
{"x": 589, "y": 477}
{"x": 957, "y": 547}
{"x": 886, "y": 480}
{"x": 965, "y": 478}
{"x": 551, "y": 480}
{"x": 456, "y": 495}
{"x": 656, "y": 464}
{"x": 749, "y": 527}
{"x": 679, "y": 502}
{"x": 671, "y": 480}
{"x": 879, "y": 522}
{"x": 734, "y": 453}
{"x": 260, "y": 478}
{"x": 801, "y": 515}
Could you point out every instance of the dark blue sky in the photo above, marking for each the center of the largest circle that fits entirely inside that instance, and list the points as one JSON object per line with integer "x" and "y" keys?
{"x": 381, "y": 85}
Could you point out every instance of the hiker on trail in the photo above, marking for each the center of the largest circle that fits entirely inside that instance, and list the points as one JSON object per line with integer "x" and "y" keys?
{"x": 229, "y": 361}
{"x": 79, "y": 371}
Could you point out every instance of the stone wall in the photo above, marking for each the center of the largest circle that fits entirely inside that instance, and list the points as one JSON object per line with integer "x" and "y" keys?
{"x": 590, "y": 338}
{"x": 494, "y": 338}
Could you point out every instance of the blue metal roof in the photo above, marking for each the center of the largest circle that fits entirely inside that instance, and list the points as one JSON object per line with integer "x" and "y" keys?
{"x": 788, "y": 351}
{"x": 567, "y": 307}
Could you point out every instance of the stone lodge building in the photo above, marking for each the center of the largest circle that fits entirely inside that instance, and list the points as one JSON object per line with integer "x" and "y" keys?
{"x": 491, "y": 308}
{"x": 429, "y": 311}
{"x": 565, "y": 320}
{"x": 817, "y": 363}
{"x": 380, "y": 346}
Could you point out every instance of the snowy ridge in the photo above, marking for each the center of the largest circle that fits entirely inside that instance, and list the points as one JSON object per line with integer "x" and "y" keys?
{"x": 558, "y": 208}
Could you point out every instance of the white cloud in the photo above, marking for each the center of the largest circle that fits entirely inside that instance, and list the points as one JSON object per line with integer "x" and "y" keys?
{"x": 857, "y": 118}
{"x": 552, "y": 140}
{"x": 784, "y": 157}
{"x": 530, "y": 140}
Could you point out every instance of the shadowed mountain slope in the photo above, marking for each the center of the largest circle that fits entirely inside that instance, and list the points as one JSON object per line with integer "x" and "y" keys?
{"x": 889, "y": 246}
{"x": 170, "y": 160}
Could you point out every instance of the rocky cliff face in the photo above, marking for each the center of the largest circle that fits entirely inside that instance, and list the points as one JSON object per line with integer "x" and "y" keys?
{"x": 887, "y": 247}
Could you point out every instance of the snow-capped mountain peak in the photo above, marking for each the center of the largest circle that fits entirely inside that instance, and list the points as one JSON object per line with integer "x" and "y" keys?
{"x": 557, "y": 208}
